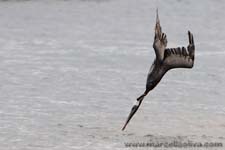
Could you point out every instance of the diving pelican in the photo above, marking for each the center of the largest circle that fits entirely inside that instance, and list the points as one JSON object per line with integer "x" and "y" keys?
{"x": 166, "y": 59}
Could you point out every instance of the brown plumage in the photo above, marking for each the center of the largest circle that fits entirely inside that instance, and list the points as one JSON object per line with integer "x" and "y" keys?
{"x": 166, "y": 59}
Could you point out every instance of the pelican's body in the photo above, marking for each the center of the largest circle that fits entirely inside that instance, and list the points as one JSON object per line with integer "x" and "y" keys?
{"x": 166, "y": 59}
{"x": 155, "y": 74}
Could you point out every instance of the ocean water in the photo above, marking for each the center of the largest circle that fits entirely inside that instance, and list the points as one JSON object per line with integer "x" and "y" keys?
{"x": 70, "y": 72}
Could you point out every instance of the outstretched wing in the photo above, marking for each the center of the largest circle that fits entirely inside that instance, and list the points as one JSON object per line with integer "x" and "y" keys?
{"x": 160, "y": 40}
{"x": 180, "y": 57}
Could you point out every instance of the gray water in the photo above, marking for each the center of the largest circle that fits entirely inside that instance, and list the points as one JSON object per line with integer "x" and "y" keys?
{"x": 70, "y": 72}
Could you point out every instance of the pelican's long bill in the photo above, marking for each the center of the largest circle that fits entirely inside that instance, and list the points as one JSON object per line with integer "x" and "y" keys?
{"x": 133, "y": 110}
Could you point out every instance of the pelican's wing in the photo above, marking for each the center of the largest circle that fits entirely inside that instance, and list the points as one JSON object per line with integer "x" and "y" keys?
{"x": 160, "y": 40}
{"x": 180, "y": 57}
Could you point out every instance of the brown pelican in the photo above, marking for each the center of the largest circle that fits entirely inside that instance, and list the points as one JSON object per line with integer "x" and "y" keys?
{"x": 166, "y": 59}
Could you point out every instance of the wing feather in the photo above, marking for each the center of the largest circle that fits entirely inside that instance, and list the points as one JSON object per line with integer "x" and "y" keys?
{"x": 160, "y": 40}
{"x": 180, "y": 57}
